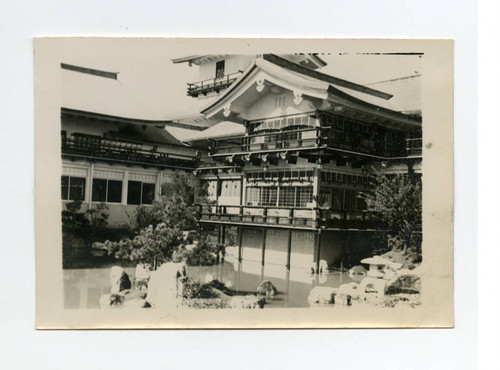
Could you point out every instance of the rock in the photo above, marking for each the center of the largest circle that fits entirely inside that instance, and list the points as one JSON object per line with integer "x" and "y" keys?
{"x": 209, "y": 278}
{"x": 119, "y": 280}
{"x": 105, "y": 301}
{"x": 321, "y": 295}
{"x": 246, "y": 302}
{"x": 357, "y": 271}
{"x": 266, "y": 288}
{"x": 372, "y": 286}
{"x": 111, "y": 300}
{"x": 323, "y": 267}
{"x": 350, "y": 289}
{"x": 134, "y": 303}
{"x": 165, "y": 285}
{"x": 98, "y": 249}
{"x": 142, "y": 275}
{"x": 405, "y": 281}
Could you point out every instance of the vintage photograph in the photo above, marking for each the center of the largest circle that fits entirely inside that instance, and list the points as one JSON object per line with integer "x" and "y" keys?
{"x": 203, "y": 179}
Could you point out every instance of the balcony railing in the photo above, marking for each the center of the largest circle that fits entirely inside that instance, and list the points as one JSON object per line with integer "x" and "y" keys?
{"x": 211, "y": 84}
{"x": 287, "y": 217}
{"x": 311, "y": 138}
{"x": 95, "y": 147}
{"x": 413, "y": 147}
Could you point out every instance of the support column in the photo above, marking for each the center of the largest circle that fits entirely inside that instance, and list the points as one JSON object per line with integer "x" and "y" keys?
{"x": 317, "y": 249}
{"x": 223, "y": 234}
{"x": 125, "y": 188}
{"x": 289, "y": 251}
{"x": 240, "y": 241}
{"x": 89, "y": 185}
{"x": 264, "y": 234}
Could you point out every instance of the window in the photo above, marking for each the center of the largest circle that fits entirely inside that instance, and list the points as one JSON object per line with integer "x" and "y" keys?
{"x": 287, "y": 196}
{"x": 253, "y": 196}
{"x": 72, "y": 188}
{"x": 269, "y": 196}
{"x": 304, "y": 196}
{"x": 140, "y": 193}
{"x": 109, "y": 191}
{"x": 219, "y": 69}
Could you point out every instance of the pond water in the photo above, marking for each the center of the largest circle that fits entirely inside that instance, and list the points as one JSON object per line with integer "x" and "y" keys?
{"x": 84, "y": 287}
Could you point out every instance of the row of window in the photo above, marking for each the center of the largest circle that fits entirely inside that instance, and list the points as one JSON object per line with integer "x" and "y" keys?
{"x": 107, "y": 191}
{"x": 340, "y": 199}
{"x": 282, "y": 196}
{"x": 280, "y": 175}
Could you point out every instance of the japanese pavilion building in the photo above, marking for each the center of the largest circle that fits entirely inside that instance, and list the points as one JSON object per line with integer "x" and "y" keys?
{"x": 292, "y": 151}
{"x": 286, "y": 151}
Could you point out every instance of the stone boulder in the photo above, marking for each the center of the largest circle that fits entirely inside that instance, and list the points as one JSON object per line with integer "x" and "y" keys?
{"x": 142, "y": 275}
{"x": 111, "y": 300}
{"x": 266, "y": 288}
{"x": 166, "y": 284}
{"x": 321, "y": 295}
{"x": 246, "y": 302}
{"x": 357, "y": 271}
{"x": 119, "y": 280}
{"x": 351, "y": 289}
{"x": 323, "y": 267}
{"x": 405, "y": 281}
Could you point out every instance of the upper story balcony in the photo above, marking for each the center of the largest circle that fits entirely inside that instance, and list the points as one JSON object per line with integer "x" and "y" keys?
{"x": 96, "y": 147}
{"x": 288, "y": 217}
{"x": 303, "y": 132}
{"x": 212, "y": 84}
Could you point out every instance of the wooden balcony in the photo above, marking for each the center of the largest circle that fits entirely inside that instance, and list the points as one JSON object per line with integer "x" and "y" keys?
{"x": 303, "y": 133}
{"x": 414, "y": 147}
{"x": 212, "y": 84}
{"x": 96, "y": 147}
{"x": 287, "y": 217}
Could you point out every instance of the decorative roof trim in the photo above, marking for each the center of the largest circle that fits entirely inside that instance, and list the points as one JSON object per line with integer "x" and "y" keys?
{"x": 324, "y": 77}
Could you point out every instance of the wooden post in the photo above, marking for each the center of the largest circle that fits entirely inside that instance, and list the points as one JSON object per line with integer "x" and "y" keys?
{"x": 240, "y": 240}
{"x": 264, "y": 234}
{"x": 223, "y": 234}
{"x": 289, "y": 251}
{"x": 317, "y": 246}
{"x": 219, "y": 234}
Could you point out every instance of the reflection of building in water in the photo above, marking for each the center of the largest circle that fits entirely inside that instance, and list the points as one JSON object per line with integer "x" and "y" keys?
{"x": 292, "y": 152}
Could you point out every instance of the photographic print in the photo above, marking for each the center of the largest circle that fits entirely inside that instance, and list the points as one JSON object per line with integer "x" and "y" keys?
{"x": 243, "y": 183}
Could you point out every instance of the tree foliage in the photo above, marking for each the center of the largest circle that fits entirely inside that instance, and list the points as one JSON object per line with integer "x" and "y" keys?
{"x": 397, "y": 201}
{"x": 161, "y": 228}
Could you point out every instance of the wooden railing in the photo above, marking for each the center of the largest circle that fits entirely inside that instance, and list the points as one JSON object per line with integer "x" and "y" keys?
{"x": 310, "y": 138}
{"x": 287, "y": 217}
{"x": 91, "y": 146}
{"x": 211, "y": 84}
{"x": 414, "y": 147}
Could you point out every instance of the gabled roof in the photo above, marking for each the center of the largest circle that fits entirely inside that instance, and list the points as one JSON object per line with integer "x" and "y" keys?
{"x": 148, "y": 130}
{"x": 278, "y": 71}
{"x": 198, "y": 59}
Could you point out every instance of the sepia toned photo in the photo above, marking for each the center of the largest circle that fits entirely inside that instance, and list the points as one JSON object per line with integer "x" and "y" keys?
{"x": 230, "y": 183}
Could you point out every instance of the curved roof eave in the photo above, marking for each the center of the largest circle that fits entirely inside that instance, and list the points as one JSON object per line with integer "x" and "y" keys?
{"x": 342, "y": 98}
{"x": 274, "y": 74}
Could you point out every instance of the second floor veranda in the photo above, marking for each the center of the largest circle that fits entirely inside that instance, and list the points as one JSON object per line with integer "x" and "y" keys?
{"x": 313, "y": 131}
{"x": 288, "y": 217}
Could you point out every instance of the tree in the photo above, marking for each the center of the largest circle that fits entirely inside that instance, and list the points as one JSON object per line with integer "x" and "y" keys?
{"x": 161, "y": 227}
{"x": 177, "y": 205}
{"x": 397, "y": 201}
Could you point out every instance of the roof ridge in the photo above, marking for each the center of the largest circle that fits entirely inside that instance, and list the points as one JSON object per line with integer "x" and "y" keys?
{"x": 281, "y": 62}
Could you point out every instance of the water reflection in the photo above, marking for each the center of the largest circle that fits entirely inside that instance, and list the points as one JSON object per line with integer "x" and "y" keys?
{"x": 84, "y": 287}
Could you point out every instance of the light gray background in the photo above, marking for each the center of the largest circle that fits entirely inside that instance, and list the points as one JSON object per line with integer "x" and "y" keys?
{"x": 23, "y": 347}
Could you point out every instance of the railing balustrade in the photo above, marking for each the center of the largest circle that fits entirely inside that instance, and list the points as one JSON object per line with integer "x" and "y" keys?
{"x": 287, "y": 216}
{"x": 119, "y": 150}
{"x": 201, "y": 87}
